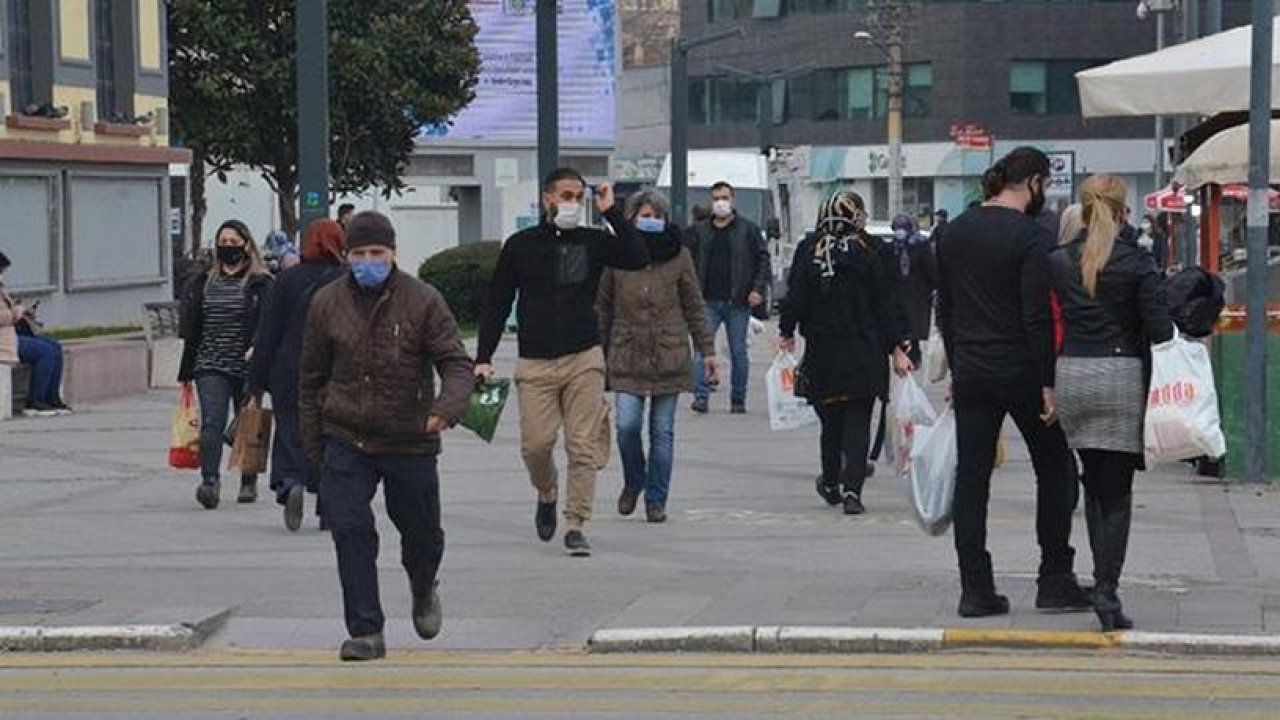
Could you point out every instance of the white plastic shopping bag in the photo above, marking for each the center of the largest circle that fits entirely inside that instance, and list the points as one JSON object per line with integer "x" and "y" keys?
{"x": 909, "y": 409}
{"x": 1182, "y": 420}
{"x": 786, "y": 411}
{"x": 933, "y": 473}
{"x": 935, "y": 354}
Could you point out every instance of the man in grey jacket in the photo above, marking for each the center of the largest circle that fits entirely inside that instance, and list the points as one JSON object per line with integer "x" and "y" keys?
{"x": 733, "y": 269}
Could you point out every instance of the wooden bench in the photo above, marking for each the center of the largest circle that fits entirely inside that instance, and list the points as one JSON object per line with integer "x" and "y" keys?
{"x": 164, "y": 347}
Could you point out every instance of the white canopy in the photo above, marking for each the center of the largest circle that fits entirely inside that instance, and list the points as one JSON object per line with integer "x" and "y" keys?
{"x": 1203, "y": 77}
{"x": 1224, "y": 159}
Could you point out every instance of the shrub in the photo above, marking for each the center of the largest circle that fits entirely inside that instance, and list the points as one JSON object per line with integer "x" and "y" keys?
{"x": 462, "y": 275}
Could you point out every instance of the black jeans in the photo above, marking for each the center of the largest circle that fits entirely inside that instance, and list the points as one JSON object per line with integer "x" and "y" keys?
{"x": 980, "y": 409}
{"x": 846, "y": 438}
{"x": 289, "y": 465}
{"x": 412, "y": 489}
{"x": 217, "y": 393}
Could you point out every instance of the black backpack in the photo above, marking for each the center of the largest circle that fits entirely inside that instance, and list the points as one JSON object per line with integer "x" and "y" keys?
{"x": 1196, "y": 298}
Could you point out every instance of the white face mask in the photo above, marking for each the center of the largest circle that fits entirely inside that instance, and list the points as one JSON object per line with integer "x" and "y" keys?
{"x": 900, "y": 234}
{"x": 722, "y": 208}
{"x": 1146, "y": 242}
{"x": 568, "y": 216}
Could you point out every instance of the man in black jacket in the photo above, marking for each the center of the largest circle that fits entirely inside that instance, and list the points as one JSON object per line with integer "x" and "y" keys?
{"x": 555, "y": 267}
{"x": 733, "y": 269}
{"x": 996, "y": 322}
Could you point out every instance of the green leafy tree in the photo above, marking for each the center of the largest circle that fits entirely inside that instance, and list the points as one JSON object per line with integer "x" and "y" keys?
{"x": 394, "y": 66}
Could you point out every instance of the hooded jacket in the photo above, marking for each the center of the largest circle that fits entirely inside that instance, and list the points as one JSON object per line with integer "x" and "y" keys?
{"x": 649, "y": 315}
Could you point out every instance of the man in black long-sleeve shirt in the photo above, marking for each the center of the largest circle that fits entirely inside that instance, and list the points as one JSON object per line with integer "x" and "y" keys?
{"x": 555, "y": 267}
{"x": 994, "y": 313}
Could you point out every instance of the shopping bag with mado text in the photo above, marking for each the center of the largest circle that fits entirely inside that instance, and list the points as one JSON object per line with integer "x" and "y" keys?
{"x": 1182, "y": 420}
{"x": 787, "y": 411}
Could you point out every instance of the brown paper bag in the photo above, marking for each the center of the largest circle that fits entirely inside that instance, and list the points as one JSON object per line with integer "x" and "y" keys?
{"x": 253, "y": 440}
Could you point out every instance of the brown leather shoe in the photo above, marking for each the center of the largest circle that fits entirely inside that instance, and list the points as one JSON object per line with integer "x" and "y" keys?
{"x": 656, "y": 513}
{"x": 627, "y": 501}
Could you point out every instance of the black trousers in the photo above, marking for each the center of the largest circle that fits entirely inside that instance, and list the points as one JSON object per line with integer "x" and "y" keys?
{"x": 1108, "y": 475}
{"x": 412, "y": 488}
{"x": 846, "y": 439}
{"x": 981, "y": 408}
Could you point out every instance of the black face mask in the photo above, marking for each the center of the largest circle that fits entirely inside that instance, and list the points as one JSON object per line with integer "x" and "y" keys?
{"x": 1037, "y": 201}
{"x": 231, "y": 255}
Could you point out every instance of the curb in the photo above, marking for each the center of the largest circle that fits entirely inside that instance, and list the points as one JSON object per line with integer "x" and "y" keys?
{"x": 181, "y": 637}
{"x": 818, "y": 640}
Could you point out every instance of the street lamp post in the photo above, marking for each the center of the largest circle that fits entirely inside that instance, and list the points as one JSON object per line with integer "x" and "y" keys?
{"x": 1161, "y": 9}
{"x": 548, "y": 89}
{"x": 680, "y": 117}
{"x": 313, "y": 112}
{"x": 892, "y": 50}
{"x": 1255, "y": 365}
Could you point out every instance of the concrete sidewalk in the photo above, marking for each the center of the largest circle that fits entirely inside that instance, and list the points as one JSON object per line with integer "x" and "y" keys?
{"x": 94, "y": 530}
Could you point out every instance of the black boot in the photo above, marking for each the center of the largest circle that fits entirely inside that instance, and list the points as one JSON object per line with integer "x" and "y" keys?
{"x": 978, "y": 596}
{"x": 1114, "y": 518}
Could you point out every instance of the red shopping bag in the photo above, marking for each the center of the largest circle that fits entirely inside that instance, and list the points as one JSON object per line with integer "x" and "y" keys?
{"x": 184, "y": 432}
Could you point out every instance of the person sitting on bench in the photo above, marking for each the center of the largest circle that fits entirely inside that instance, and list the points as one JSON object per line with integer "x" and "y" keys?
{"x": 44, "y": 399}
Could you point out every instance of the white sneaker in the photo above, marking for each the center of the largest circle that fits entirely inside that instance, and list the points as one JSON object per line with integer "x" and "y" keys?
{"x": 38, "y": 411}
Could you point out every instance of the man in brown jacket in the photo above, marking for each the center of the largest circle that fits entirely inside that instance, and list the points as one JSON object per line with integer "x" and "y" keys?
{"x": 369, "y": 412}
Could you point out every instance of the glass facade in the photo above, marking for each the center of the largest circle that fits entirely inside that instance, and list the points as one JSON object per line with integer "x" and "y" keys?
{"x": 859, "y": 93}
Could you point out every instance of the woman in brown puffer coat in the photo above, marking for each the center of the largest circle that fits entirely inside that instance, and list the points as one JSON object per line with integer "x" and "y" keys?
{"x": 648, "y": 317}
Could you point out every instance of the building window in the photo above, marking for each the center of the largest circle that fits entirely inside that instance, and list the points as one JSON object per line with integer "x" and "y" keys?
{"x": 1046, "y": 87}
{"x": 825, "y": 6}
{"x": 113, "y": 54}
{"x": 859, "y": 93}
{"x": 722, "y": 10}
{"x": 21, "y": 75}
{"x": 718, "y": 100}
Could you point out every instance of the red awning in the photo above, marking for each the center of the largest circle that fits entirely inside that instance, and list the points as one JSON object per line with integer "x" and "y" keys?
{"x": 1169, "y": 200}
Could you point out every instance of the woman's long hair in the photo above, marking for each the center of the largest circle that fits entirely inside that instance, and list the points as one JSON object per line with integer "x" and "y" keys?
{"x": 1071, "y": 223}
{"x": 257, "y": 266}
{"x": 1102, "y": 198}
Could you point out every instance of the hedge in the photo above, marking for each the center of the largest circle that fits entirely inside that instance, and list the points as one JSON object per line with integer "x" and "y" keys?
{"x": 462, "y": 275}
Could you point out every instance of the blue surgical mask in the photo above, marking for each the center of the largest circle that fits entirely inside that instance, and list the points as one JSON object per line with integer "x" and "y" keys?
{"x": 370, "y": 273}
{"x": 651, "y": 224}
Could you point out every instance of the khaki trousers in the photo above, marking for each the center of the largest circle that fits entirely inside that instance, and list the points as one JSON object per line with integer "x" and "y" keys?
{"x": 565, "y": 392}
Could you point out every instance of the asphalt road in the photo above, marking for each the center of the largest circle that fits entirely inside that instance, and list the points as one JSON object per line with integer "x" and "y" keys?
{"x": 278, "y": 685}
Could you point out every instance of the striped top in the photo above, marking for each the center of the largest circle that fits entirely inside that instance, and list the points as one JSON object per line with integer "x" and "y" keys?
{"x": 223, "y": 345}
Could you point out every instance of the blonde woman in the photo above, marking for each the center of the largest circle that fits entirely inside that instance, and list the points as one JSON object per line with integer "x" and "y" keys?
{"x": 218, "y": 319}
{"x": 1114, "y": 309}
{"x": 1070, "y": 224}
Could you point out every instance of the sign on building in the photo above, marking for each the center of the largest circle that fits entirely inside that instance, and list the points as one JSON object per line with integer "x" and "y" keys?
{"x": 1062, "y": 175}
{"x": 505, "y": 105}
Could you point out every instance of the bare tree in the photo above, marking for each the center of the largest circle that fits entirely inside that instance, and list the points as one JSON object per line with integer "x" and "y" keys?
{"x": 647, "y": 29}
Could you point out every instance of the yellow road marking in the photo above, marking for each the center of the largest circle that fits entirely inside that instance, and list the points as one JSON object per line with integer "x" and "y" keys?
{"x": 1046, "y": 639}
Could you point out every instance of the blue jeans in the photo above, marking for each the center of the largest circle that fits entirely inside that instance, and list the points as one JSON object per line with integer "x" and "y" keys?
{"x": 736, "y": 319}
{"x": 45, "y": 358}
{"x": 655, "y": 477}
{"x": 411, "y": 488}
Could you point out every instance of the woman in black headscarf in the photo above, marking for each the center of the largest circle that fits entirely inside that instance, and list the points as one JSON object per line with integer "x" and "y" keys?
{"x": 844, "y": 298}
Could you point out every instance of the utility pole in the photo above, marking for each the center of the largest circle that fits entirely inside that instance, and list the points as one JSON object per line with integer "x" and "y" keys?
{"x": 680, "y": 118}
{"x": 313, "y": 112}
{"x": 1255, "y": 364}
{"x": 888, "y": 23}
{"x": 548, "y": 89}
{"x": 1161, "y": 9}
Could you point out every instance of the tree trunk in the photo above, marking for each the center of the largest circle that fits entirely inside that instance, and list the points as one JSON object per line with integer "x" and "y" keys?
{"x": 199, "y": 203}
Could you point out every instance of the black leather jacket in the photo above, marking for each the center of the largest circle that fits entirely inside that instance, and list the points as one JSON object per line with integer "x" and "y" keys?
{"x": 750, "y": 269}
{"x": 1129, "y": 312}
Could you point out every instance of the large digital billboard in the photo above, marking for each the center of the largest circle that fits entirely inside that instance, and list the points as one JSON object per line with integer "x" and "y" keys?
{"x": 505, "y": 106}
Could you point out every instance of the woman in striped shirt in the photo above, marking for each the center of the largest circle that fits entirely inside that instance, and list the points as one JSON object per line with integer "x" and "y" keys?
{"x": 219, "y": 317}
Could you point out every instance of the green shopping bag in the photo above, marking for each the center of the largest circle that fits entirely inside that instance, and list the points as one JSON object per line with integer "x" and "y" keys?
{"x": 485, "y": 409}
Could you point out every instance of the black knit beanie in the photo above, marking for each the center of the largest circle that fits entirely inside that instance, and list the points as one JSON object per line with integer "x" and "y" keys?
{"x": 370, "y": 228}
